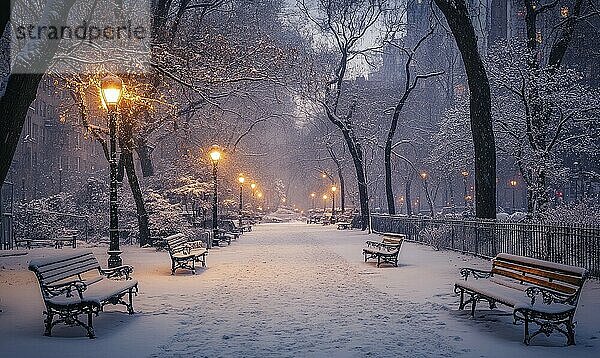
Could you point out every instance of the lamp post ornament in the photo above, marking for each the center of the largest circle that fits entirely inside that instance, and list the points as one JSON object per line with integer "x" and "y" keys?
{"x": 215, "y": 155}
{"x": 111, "y": 91}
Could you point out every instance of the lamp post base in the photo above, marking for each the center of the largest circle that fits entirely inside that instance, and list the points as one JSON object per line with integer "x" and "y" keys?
{"x": 114, "y": 258}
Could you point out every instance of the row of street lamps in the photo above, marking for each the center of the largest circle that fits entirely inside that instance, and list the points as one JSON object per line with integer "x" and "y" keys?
{"x": 325, "y": 197}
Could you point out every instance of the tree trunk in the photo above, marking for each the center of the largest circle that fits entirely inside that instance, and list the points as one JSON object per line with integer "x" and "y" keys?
{"x": 21, "y": 86}
{"x": 457, "y": 16}
{"x": 342, "y": 190}
{"x": 387, "y": 160}
{"x": 357, "y": 159}
{"x": 407, "y": 186}
{"x": 21, "y": 90}
{"x": 126, "y": 143}
{"x": 142, "y": 215}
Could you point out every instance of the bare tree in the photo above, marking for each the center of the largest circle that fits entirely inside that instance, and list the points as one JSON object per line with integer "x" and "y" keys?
{"x": 410, "y": 84}
{"x": 458, "y": 18}
{"x": 347, "y": 23}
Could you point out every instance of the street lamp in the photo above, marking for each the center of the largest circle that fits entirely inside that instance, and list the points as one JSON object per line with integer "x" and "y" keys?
{"x": 324, "y": 203}
{"x": 333, "y": 190}
{"x": 465, "y": 174}
{"x": 513, "y": 184}
{"x": 313, "y": 195}
{"x": 241, "y": 179}
{"x": 111, "y": 91}
{"x": 215, "y": 156}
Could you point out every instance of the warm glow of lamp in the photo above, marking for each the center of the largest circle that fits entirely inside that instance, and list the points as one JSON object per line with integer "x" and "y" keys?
{"x": 513, "y": 183}
{"x": 423, "y": 175}
{"x": 253, "y": 186}
{"x": 324, "y": 175}
{"x": 333, "y": 188}
{"x": 325, "y": 196}
{"x": 468, "y": 197}
{"x": 111, "y": 90}
{"x": 313, "y": 195}
{"x": 215, "y": 153}
{"x": 241, "y": 179}
{"x": 465, "y": 173}
{"x": 259, "y": 195}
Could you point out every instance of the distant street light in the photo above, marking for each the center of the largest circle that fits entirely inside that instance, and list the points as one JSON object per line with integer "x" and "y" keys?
{"x": 333, "y": 190}
{"x": 513, "y": 184}
{"x": 465, "y": 174}
{"x": 111, "y": 93}
{"x": 313, "y": 195}
{"x": 215, "y": 156}
{"x": 241, "y": 179}
{"x": 324, "y": 203}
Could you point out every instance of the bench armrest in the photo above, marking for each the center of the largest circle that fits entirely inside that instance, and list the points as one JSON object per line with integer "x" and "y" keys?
{"x": 66, "y": 288}
{"x": 549, "y": 296}
{"x": 117, "y": 272}
{"x": 465, "y": 272}
{"x": 373, "y": 243}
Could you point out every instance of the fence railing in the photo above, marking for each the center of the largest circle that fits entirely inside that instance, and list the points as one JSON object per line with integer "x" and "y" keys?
{"x": 577, "y": 245}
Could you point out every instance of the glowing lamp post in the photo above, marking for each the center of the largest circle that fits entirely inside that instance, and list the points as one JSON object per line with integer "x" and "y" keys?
{"x": 312, "y": 196}
{"x": 111, "y": 90}
{"x": 333, "y": 190}
{"x": 215, "y": 156}
{"x": 513, "y": 184}
{"x": 241, "y": 180}
{"x": 465, "y": 175}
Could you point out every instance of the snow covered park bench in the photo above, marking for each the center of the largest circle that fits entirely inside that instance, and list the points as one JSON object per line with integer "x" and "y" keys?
{"x": 57, "y": 242}
{"x": 224, "y": 235}
{"x": 385, "y": 251}
{"x": 343, "y": 225}
{"x": 538, "y": 291}
{"x": 184, "y": 253}
{"x": 75, "y": 284}
{"x": 233, "y": 229}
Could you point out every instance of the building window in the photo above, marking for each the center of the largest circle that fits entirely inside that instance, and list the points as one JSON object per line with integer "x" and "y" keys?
{"x": 538, "y": 37}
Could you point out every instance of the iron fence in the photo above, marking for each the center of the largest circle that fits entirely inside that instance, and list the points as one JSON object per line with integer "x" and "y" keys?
{"x": 571, "y": 244}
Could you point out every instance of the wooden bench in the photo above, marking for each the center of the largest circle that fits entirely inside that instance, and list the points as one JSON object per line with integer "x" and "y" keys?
{"x": 224, "y": 235}
{"x": 57, "y": 242}
{"x": 184, "y": 253}
{"x": 229, "y": 227}
{"x": 343, "y": 225}
{"x": 75, "y": 284}
{"x": 538, "y": 291}
{"x": 386, "y": 250}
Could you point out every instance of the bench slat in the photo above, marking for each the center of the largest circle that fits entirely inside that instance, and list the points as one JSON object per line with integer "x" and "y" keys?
{"x": 535, "y": 281}
{"x": 575, "y": 281}
{"x": 65, "y": 263}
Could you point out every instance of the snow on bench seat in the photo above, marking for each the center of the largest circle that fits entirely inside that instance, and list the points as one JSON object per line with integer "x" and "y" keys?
{"x": 74, "y": 284}
{"x": 538, "y": 291}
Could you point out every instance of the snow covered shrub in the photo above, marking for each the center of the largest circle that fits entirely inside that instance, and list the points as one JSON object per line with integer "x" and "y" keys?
{"x": 166, "y": 218}
{"x": 585, "y": 213}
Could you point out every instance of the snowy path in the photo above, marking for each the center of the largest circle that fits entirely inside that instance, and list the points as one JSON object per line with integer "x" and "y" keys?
{"x": 286, "y": 290}
{"x": 294, "y": 296}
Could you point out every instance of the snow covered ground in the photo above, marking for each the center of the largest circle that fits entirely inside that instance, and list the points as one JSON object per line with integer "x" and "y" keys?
{"x": 286, "y": 290}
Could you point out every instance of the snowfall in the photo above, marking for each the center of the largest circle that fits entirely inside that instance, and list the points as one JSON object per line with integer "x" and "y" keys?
{"x": 286, "y": 290}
